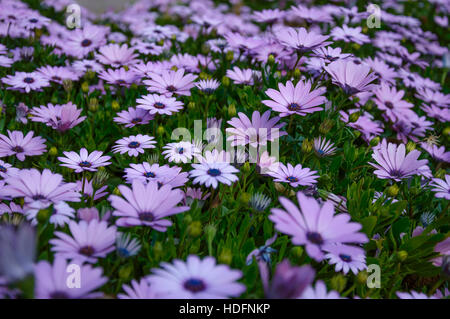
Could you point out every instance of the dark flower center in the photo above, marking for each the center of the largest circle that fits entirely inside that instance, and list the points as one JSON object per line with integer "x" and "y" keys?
{"x": 18, "y": 149}
{"x": 171, "y": 88}
{"x": 59, "y": 295}
{"x": 294, "y": 107}
{"x": 150, "y": 174}
{"x": 2, "y": 169}
{"x": 85, "y": 164}
{"x": 159, "y": 105}
{"x": 346, "y": 258}
{"x": 396, "y": 173}
{"x": 292, "y": 179}
{"x": 86, "y": 43}
{"x": 315, "y": 238}
{"x": 389, "y": 105}
{"x": 214, "y": 172}
{"x": 33, "y": 20}
{"x": 87, "y": 251}
{"x": 120, "y": 81}
{"x": 28, "y": 80}
{"x": 194, "y": 285}
{"x": 146, "y": 217}
{"x": 410, "y": 78}
{"x": 134, "y": 144}
{"x": 56, "y": 78}
{"x": 180, "y": 150}
{"x": 38, "y": 197}
{"x": 136, "y": 120}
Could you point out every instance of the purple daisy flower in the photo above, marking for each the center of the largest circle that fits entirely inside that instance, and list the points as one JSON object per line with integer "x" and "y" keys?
{"x": 207, "y": 86}
{"x": 147, "y": 205}
{"x": 329, "y": 54}
{"x": 319, "y": 292}
{"x": 181, "y": 152}
{"x": 391, "y": 162}
{"x": 441, "y": 187}
{"x": 16, "y": 144}
{"x": 390, "y": 101}
{"x": 57, "y": 74}
{"x": 138, "y": 290}
{"x": 351, "y": 77}
{"x": 171, "y": 82}
{"x": 317, "y": 227}
{"x": 257, "y": 131}
{"x": 295, "y": 176}
{"x": 116, "y": 55}
{"x": 134, "y": 144}
{"x": 346, "y": 258}
{"x": 245, "y": 76}
{"x": 119, "y": 77}
{"x": 349, "y": 34}
{"x": 438, "y": 153}
{"x": 196, "y": 279}
{"x": 163, "y": 175}
{"x": 299, "y": 100}
{"x": 7, "y": 169}
{"x": 213, "y": 173}
{"x": 39, "y": 188}
{"x": 300, "y": 39}
{"x": 89, "y": 241}
{"x": 84, "y": 161}
{"x": 59, "y": 117}
{"x": 52, "y": 280}
{"x": 323, "y": 147}
{"x": 33, "y": 81}
{"x": 134, "y": 116}
{"x": 159, "y": 104}
{"x": 413, "y": 295}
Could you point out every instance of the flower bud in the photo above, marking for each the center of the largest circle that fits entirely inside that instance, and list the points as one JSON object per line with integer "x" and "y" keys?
{"x": 271, "y": 59}
{"x": 205, "y": 49}
{"x": 89, "y": 75}
{"x": 44, "y": 214}
{"x": 203, "y": 76}
{"x": 361, "y": 277}
{"x": 354, "y": 117}
{"x": 93, "y": 104}
{"x": 392, "y": 191}
{"x": 244, "y": 198}
{"x": 160, "y": 130}
{"x": 230, "y": 56}
{"x": 225, "y": 81}
{"x": 297, "y": 74}
{"x": 297, "y": 251}
{"x": 307, "y": 146}
{"x": 401, "y": 255}
{"x": 85, "y": 87}
{"x": 116, "y": 191}
{"x": 279, "y": 187}
{"x": 53, "y": 151}
{"x": 410, "y": 146}
{"x": 195, "y": 229}
{"x": 126, "y": 271}
{"x": 210, "y": 232}
{"x": 115, "y": 105}
{"x": 68, "y": 85}
{"x": 446, "y": 131}
{"x": 375, "y": 141}
{"x": 246, "y": 168}
{"x": 326, "y": 126}
{"x": 191, "y": 105}
{"x": 225, "y": 256}
{"x": 158, "y": 250}
{"x": 231, "y": 110}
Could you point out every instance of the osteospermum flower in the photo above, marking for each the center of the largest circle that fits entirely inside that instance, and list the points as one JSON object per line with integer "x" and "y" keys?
{"x": 159, "y": 104}
{"x": 438, "y": 153}
{"x": 119, "y": 77}
{"x": 413, "y": 295}
{"x": 300, "y": 39}
{"x": 127, "y": 246}
{"x": 245, "y": 76}
{"x": 147, "y": 205}
{"x": 213, "y": 173}
{"x": 393, "y": 163}
{"x": 7, "y": 169}
{"x": 181, "y": 152}
{"x": 116, "y": 55}
{"x": 133, "y": 145}
{"x": 59, "y": 117}
{"x": 138, "y": 290}
{"x": 294, "y": 175}
{"x": 299, "y": 100}
{"x": 16, "y": 144}
{"x": 390, "y": 101}
{"x": 86, "y": 39}
{"x": 134, "y": 116}
{"x": 36, "y": 187}
{"x": 317, "y": 227}
{"x": 207, "y": 86}
{"x": 349, "y": 34}
{"x": 352, "y": 78}
{"x": 84, "y": 161}
{"x": 195, "y": 279}
{"x": 89, "y": 241}
{"x": 171, "y": 82}
{"x": 319, "y": 291}
{"x": 441, "y": 187}
{"x": 57, "y": 74}
{"x": 26, "y": 81}
{"x": 165, "y": 174}
{"x": 257, "y": 131}
{"x": 52, "y": 280}
{"x": 323, "y": 147}
{"x": 346, "y": 258}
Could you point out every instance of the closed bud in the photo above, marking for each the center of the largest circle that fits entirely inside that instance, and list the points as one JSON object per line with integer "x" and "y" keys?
{"x": 375, "y": 141}
{"x": 441, "y": 173}
{"x": 160, "y": 130}
{"x": 53, "y": 151}
{"x": 115, "y": 105}
{"x": 126, "y": 68}
{"x": 44, "y": 214}
{"x": 100, "y": 177}
{"x": 158, "y": 249}
{"x": 354, "y": 117}
{"x": 297, "y": 251}
{"x": 54, "y": 99}
{"x": 410, "y": 146}
{"x": 93, "y": 104}
{"x": 174, "y": 68}
{"x": 279, "y": 187}
{"x": 231, "y": 110}
{"x": 446, "y": 131}
{"x": 191, "y": 105}
{"x": 356, "y": 46}
{"x": 37, "y": 33}
{"x": 357, "y": 133}
{"x": 210, "y": 232}
{"x": 90, "y": 74}
{"x": 392, "y": 191}
{"x": 125, "y": 272}
{"x": 116, "y": 191}
{"x": 271, "y": 59}
{"x": 401, "y": 255}
{"x": 225, "y": 257}
{"x": 326, "y": 126}
{"x": 338, "y": 283}
{"x": 244, "y": 198}
{"x": 203, "y": 76}
{"x": 160, "y": 43}
{"x": 230, "y": 56}
{"x": 297, "y": 74}
{"x": 205, "y": 49}
{"x": 361, "y": 277}
{"x": 225, "y": 81}
{"x": 307, "y": 146}
{"x": 195, "y": 229}
{"x": 85, "y": 87}
{"x": 68, "y": 85}
{"x": 246, "y": 167}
